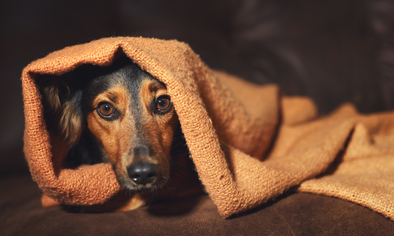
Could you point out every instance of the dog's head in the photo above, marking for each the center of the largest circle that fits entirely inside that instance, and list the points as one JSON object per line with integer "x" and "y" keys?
{"x": 128, "y": 114}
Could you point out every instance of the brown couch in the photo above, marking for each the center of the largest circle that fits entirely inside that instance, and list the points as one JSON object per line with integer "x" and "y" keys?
{"x": 333, "y": 51}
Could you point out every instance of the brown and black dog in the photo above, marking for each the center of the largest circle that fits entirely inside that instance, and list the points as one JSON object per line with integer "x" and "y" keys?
{"x": 121, "y": 115}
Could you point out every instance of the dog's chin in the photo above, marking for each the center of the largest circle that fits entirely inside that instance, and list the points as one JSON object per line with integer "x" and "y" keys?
{"x": 128, "y": 185}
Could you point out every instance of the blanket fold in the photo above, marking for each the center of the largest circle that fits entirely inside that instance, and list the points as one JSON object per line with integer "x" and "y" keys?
{"x": 249, "y": 144}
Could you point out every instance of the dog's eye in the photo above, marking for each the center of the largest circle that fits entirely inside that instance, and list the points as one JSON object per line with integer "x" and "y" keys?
{"x": 163, "y": 104}
{"x": 105, "y": 109}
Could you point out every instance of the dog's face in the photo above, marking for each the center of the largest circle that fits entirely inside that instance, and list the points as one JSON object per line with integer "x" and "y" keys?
{"x": 134, "y": 121}
{"x": 129, "y": 114}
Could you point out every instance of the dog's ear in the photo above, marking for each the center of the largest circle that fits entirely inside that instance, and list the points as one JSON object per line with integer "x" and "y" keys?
{"x": 50, "y": 90}
{"x": 71, "y": 119}
{"x": 62, "y": 108}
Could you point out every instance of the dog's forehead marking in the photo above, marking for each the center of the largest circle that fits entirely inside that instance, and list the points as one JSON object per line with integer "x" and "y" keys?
{"x": 141, "y": 99}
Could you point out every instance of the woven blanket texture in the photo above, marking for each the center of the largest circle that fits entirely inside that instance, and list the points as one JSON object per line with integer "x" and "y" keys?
{"x": 249, "y": 144}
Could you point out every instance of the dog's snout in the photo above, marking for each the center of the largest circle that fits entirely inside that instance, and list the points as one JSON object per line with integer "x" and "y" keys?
{"x": 143, "y": 150}
{"x": 142, "y": 172}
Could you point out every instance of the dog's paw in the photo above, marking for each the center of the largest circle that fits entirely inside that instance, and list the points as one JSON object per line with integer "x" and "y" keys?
{"x": 136, "y": 201}
{"x": 118, "y": 203}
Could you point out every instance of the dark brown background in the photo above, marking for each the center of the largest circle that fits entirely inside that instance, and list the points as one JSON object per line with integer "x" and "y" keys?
{"x": 333, "y": 51}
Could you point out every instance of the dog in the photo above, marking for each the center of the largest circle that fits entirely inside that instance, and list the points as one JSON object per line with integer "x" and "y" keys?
{"x": 121, "y": 115}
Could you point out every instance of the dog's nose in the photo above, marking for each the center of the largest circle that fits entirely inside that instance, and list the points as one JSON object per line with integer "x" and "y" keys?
{"x": 142, "y": 172}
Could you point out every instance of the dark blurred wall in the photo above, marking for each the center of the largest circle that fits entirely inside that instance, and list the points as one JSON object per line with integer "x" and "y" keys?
{"x": 333, "y": 51}
{"x": 30, "y": 30}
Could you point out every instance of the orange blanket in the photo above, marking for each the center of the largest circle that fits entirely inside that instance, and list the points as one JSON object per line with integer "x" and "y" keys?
{"x": 248, "y": 143}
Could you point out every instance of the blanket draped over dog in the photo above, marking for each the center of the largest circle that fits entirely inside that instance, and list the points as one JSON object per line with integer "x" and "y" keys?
{"x": 249, "y": 144}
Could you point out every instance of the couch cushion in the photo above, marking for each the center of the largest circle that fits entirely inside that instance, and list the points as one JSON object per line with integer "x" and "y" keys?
{"x": 293, "y": 214}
